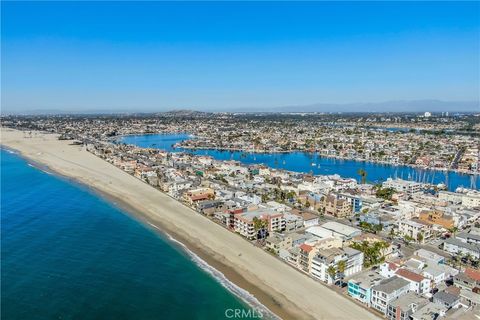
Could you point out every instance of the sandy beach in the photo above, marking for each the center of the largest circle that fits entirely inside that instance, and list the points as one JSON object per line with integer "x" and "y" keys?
{"x": 285, "y": 291}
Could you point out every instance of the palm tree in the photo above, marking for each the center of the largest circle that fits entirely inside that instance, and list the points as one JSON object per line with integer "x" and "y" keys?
{"x": 260, "y": 226}
{"x": 331, "y": 272}
{"x": 469, "y": 258}
{"x": 392, "y": 234}
{"x": 453, "y": 230}
{"x": 341, "y": 266}
{"x": 363, "y": 175}
{"x": 420, "y": 237}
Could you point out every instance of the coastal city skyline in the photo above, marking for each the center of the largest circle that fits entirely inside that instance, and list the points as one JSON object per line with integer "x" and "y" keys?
{"x": 230, "y": 56}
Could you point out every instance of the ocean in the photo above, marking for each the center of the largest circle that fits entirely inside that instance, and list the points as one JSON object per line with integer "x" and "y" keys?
{"x": 67, "y": 253}
{"x": 309, "y": 162}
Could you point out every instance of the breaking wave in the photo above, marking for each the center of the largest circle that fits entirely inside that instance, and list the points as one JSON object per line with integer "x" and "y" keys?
{"x": 246, "y": 296}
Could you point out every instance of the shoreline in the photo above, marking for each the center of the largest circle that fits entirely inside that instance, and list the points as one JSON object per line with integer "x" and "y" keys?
{"x": 283, "y": 290}
{"x": 181, "y": 243}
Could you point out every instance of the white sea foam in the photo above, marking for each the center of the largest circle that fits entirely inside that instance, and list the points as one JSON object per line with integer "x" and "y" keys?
{"x": 227, "y": 284}
{"x": 38, "y": 168}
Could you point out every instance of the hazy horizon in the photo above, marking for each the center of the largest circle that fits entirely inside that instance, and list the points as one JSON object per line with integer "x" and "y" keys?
{"x": 433, "y": 106}
{"x": 230, "y": 56}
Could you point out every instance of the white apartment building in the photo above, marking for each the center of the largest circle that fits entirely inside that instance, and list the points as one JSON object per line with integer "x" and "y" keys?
{"x": 470, "y": 199}
{"x": 387, "y": 291}
{"x": 331, "y": 257}
{"x": 244, "y": 225}
{"x": 413, "y": 228}
{"x": 407, "y": 187}
{"x": 418, "y": 283}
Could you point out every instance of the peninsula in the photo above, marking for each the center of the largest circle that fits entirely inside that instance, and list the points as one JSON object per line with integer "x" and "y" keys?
{"x": 285, "y": 291}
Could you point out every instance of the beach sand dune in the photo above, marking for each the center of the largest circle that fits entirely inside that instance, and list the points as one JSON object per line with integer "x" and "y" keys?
{"x": 285, "y": 291}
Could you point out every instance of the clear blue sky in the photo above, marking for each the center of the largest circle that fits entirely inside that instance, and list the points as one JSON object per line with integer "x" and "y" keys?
{"x": 157, "y": 56}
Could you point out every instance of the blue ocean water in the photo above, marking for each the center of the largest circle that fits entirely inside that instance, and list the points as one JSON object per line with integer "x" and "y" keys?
{"x": 302, "y": 162}
{"x": 69, "y": 254}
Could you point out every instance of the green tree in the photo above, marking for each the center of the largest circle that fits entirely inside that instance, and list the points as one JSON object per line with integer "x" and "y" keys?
{"x": 453, "y": 230}
{"x": 391, "y": 234}
{"x": 341, "y": 266}
{"x": 332, "y": 272}
{"x": 260, "y": 227}
{"x": 363, "y": 175}
{"x": 420, "y": 237}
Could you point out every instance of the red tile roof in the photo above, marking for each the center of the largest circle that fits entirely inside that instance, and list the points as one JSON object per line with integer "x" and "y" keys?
{"x": 306, "y": 247}
{"x": 409, "y": 275}
{"x": 199, "y": 197}
{"x": 392, "y": 266}
{"x": 474, "y": 274}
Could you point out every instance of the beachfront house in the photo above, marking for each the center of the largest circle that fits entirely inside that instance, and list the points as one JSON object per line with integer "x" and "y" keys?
{"x": 387, "y": 291}
{"x": 360, "y": 287}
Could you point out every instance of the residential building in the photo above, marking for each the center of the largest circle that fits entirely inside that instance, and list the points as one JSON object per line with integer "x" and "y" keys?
{"x": 244, "y": 222}
{"x": 403, "y": 307}
{"x": 326, "y": 258}
{"x": 414, "y": 228}
{"x": 469, "y": 279}
{"x": 431, "y": 311}
{"x": 432, "y": 257}
{"x": 278, "y": 241}
{"x": 437, "y": 217}
{"x": 455, "y": 246}
{"x": 407, "y": 187}
{"x": 387, "y": 291}
{"x": 418, "y": 283}
{"x": 446, "y": 299}
{"x": 339, "y": 208}
{"x": 360, "y": 286}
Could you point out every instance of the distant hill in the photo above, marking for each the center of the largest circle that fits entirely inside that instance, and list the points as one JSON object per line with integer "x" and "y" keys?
{"x": 387, "y": 106}
{"x": 377, "y": 107}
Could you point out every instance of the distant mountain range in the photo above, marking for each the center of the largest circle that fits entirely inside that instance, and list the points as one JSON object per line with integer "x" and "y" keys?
{"x": 375, "y": 107}
{"x": 387, "y": 106}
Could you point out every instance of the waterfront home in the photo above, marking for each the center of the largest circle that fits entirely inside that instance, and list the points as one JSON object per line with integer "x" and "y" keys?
{"x": 388, "y": 290}
{"x": 278, "y": 241}
{"x": 209, "y": 207}
{"x": 244, "y": 223}
{"x": 404, "y": 186}
{"x": 403, "y": 307}
{"x": 326, "y": 258}
{"x": 306, "y": 254}
{"x": 360, "y": 286}
{"x": 196, "y": 195}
